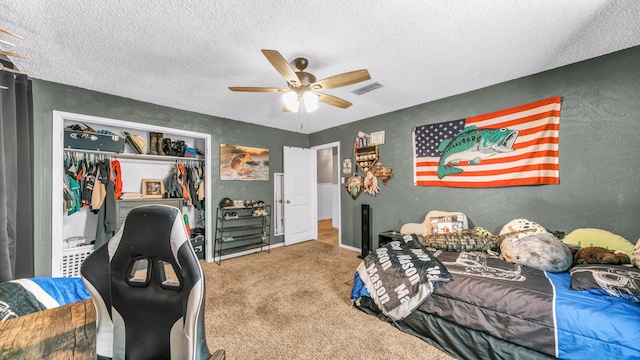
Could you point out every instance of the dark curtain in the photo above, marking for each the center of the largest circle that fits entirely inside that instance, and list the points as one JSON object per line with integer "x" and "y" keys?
{"x": 16, "y": 175}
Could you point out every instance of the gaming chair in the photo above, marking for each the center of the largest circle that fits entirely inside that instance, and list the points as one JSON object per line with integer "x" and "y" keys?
{"x": 148, "y": 290}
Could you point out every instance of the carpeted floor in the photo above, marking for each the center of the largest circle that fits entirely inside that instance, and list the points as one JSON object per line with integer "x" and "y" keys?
{"x": 294, "y": 303}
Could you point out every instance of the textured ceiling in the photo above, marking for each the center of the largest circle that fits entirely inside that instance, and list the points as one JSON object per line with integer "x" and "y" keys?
{"x": 185, "y": 54}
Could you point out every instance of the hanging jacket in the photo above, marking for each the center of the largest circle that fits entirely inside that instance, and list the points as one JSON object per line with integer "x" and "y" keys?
{"x": 99, "y": 188}
{"x": 192, "y": 181}
{"x": 172, "y": 184}
{"x": 183, "y": 183}
{"x": 89, "y": 182}
{"x": 107, "y": 217}
{"x": 116, "y": 177}
{"x": 72, "y": 186}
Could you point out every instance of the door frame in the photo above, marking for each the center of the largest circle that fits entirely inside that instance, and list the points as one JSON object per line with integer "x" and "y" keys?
{"x": 335, "y": 144}
{"x": 278, "y": 204}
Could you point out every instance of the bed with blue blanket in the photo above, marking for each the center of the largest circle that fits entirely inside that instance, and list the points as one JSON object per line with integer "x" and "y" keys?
{"x": 25, "y": 296}
{"x": 475, "y": 306}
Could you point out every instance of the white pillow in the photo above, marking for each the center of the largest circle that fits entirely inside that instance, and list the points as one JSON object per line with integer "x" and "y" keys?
{"x": 413, "y": 228}
{"x": 426, "y": 227}
{"x": 448, "y": 223}
{"x": 523, "y": 224}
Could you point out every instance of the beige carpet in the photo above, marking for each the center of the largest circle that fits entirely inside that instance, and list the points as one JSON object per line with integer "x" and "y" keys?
{"x": 294, "y": 303}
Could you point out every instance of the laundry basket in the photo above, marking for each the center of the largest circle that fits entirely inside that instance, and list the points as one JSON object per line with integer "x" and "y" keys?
{"x": 73, "y": 255}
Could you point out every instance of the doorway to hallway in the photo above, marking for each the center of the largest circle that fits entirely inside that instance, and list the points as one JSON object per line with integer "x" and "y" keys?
{"x": 328, "y": 190}
{"x": 327, "y": 233}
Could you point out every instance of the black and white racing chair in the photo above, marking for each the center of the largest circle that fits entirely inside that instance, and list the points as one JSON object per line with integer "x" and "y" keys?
{"x": 148, "y": 290}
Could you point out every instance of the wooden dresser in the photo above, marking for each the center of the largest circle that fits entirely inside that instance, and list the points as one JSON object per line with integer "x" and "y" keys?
{"x": 124, "y": 206}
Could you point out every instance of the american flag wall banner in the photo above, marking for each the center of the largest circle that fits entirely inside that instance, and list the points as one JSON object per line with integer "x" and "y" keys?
{"x": 512, "y": 147}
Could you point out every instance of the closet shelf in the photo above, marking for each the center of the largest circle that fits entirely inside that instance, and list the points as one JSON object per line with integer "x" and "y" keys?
{"x": 134, "y": 156}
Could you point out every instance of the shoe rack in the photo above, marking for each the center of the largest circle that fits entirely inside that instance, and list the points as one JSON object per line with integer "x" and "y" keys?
{"x": 245, "y": 226}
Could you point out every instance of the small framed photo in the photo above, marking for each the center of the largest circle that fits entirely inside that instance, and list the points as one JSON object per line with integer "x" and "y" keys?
{"x": 152, "y": 188}
{"x": 347, "y": 165}
{"x": 377, "y": 138}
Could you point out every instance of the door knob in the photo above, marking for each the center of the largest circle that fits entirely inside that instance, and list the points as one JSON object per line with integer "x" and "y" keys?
{"x": 280, "y": 201}
{"x": 288, "y": 202}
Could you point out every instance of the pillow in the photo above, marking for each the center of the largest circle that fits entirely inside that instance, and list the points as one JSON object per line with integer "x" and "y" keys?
{"x": 523, "y": 224}
{"x": 617, "y": 280}
{"x": 539, "y": 251}
{"x": 413, "y": 228}
{"x": 426, "y": 228}
{"x": 445, "y": 216}
{"x": 597, "y": 237}
{"x": 448, "y": 223}
{"x": 635, "y": 255}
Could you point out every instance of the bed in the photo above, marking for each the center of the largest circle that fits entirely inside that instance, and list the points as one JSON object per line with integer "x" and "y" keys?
{"x": 46, "y": 318}
{"x": 482, "y": 307}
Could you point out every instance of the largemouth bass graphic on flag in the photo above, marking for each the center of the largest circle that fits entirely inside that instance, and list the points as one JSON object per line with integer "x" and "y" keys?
{"x": 511, "y": 147}
{"x": 473, "y": 144}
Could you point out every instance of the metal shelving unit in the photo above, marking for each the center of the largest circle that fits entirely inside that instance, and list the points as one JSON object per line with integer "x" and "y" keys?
{"x": 240, "y": 229}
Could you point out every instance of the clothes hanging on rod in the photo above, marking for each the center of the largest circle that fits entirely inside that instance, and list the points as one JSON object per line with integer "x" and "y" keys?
{"x": 86, "y": 179}
{"x": 94, "y": 180}
{"x": 185, "y": 181}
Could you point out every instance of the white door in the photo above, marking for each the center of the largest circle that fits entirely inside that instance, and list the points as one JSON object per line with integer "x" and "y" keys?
{"x": 300, "y": 195}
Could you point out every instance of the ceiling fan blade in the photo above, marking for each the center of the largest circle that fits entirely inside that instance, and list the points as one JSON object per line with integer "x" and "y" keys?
{"x": 334, "y": 101}
{"x": 282, "y": 66}
{"x": 255, "y": 89}
{"x": 344, "y": 79}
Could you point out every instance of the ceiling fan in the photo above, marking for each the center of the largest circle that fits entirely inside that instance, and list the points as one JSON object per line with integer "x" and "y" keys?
{"x": 303, "y": 86}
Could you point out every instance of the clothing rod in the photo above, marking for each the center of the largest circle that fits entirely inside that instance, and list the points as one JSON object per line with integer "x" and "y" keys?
{"x": 134, "y": 156}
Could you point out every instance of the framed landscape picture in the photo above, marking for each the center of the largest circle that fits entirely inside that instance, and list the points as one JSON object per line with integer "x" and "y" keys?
{"x": 239, "y": 162}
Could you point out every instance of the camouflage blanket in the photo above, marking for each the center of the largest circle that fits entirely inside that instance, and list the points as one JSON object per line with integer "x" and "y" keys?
{"x": 474, "y": 239}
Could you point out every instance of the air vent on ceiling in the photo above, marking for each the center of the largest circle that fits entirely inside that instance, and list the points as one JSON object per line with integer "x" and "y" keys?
{"x": 366, "y": 89}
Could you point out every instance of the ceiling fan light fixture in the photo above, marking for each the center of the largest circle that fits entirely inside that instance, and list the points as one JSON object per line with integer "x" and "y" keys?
{"x": 310, "y": 101}
{"x": 303, "y": 86}
{"x": 290, "y": 100}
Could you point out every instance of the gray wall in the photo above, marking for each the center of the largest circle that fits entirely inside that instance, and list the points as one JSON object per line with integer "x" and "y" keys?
{"x": 599, "y": 152}
{"x": 50, "y": 96}
{"x": 599, "y": 155}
